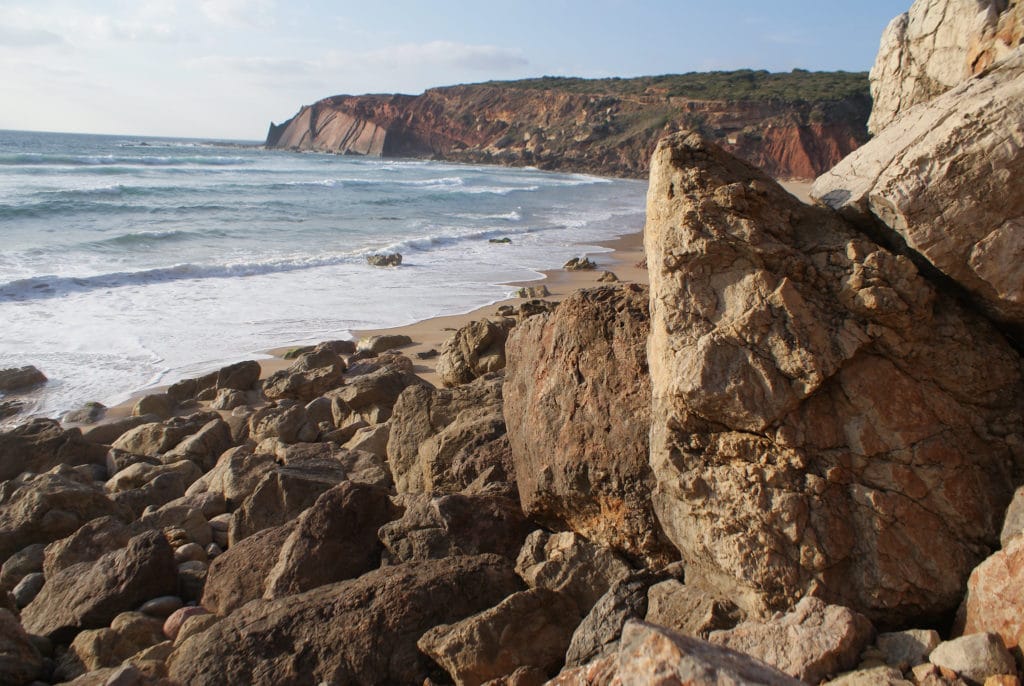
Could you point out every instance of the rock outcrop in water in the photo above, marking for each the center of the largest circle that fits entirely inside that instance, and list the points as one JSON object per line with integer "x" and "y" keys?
{"x": 602, "y": 126}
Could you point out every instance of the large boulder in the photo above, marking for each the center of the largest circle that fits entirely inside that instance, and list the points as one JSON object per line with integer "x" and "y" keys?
{"x": 156, "y": 438}
{"x": 376, "y": 387}
{"x": 40, "y": 508}
{"x": 934, "y": 47}
{"x": 442, "y": 440}
{"x": 817, "y": 402}
{"x": 947, "y": 179}
{"x": 475, "y": 349}
{"x": 235, "y": 476}
{"x": 91, "y": 541}
{"x": 40, "y": 445}
{"x": 358, "y": 631}
{"x": 311, "y": 375}
{"x": 89, "y": 595}
{"x": 994, "y": 602}
{"x": 577, "y": 406}
{"x": 239, "y": 574}
{"x": 203, "y": 447}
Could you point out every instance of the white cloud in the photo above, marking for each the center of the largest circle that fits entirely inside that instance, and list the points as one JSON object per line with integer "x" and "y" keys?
{"x": 16, "y": 37}
{"x": 237, "y": 13}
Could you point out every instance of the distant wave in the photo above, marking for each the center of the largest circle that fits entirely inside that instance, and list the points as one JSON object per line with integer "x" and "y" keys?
{"x": 148, "y": 238}
{"x": 36, "y": 159}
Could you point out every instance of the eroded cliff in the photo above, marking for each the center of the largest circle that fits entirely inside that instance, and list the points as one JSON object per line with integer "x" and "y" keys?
{"x": 791, "y": 125}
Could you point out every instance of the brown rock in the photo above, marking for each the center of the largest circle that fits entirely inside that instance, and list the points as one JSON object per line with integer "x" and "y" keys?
{"x": 433, "y": 528}
{"x": 20, "y": 662}
{"x": 476, "y": 349}
{"x": 335, "y": 539}
{"x": 95, "y": 649}
{"x": 577, "y": 264}
{"x": 108, "y": 432}
{"x": 994, "y": 602}
{"x": 235, "y": 476}
{"x": 380, "y": 344}
{"x": 158, "y": 404}
{"x": 442, "y": 440}
{"x": 203, "y": 447}
{"x": 40, "y": 445}
{"x": 158, "y": 437}
{"x": 378, "y": 387}
{"x": 907, "y": 649}
{"x": 28, "y": 560}
{"x": 41, "y": 508}
{"x": 20, "y": 378}
{"x": 285, "y": 421}
{"x": 311, "y": 375}
{"x": 816, "y": 402}
{"x": 974, "y": 657}
{"x": 358, "y": 631}
{"x": 239, "y": 575}
{"x": 241, "y": 376}
{"x": 811, "y": 643}
{"x": 176, "y": 620}
{"x": 688, "y": 610}
{"x": 1013, "y": 524}
{"x": 527, "y": 629}
{"x": 90, "y": 595}
{"x": 875, "y": 676}
{"x": 91, "y": 541}
{"x": 577, "y": 406}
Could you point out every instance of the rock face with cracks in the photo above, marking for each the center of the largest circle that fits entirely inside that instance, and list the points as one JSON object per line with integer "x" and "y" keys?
{"x": 823, "y": 418}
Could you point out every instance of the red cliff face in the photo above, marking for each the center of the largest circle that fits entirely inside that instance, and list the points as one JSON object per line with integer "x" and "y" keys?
{"x": 612, "y": 135}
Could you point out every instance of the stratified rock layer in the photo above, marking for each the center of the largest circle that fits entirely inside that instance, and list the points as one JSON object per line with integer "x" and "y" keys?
{"x": 948, "y": 178}
{"x": 824, "y": 420}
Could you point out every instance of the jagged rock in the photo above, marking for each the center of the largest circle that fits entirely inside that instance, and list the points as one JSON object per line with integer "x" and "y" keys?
{"x": 358, "y": 631}
{"x": 935, "y": 46}
{"x": 689, "y": 610}
{"x": 578, "y": 264}
{"x": 1013, "y": 524}
{"x": 240, "y": 376}
{"x": 20, "y": 378}
{"x": 816, "y": 402}
{"x": 26, "y": 561}
{"x": 434, "y": 528}
{"x": 336, "y": 347}
{"x": 378, "y": 387}
{"x": 311, "y": 375}
{"x": 577, "y": 406}
{"x": 359, "y": 465}
{"x": 156, "y": 438}
{"x": 143, "y": 485}
{"x": 385, "y": 260}
{"x": 91, "y": 541}
{"x": 608, "y": 277}
{"x": 569, "y": 563}
{"x": 382, "y": 343}
{"x": 235, "y": 476}
{"x": 286, "y": 421}
{"x": 527, "y": 629}
{"x": 89, "y": 595}
{"x": 540, "y": 291}
{"x": 441, "y": 440}
{"x": 993, "y": 602}
{"x": 108, "y": 432}
{"x": 907, "y": 649}
{"x": 475, "y": 349}
{"x": 946, "y": 179}
{"x": 335, "y": 539}
{"x": 204, "y": 447}
{"x": 41, "y": 444}
{"x": 811, "y": 643}
{"x": 11, "y": 407}
{"x": 239, "y": 575}
{"x": 157, "y": 404}
{"x": 20, "y": 662}
{"x": 975, "y": 657}
{"x": 229, "y": 399}
{"x": 372, "y": 440}
{"x": 40, "y": 508}
{"x": 282, "y": 494}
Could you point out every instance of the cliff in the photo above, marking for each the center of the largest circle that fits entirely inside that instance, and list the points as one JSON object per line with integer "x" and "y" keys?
{"x": 794, "y": 125}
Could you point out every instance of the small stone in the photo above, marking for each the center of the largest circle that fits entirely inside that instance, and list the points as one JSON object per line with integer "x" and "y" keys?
{"x": 177, "y": 618}
{"x": 577, "y": 264}
{"x": 875, "y": 676}
{"x": 427, "y": 354}
{"x": 608, "y": 277}
{"x": 190, "y": 552}
{"x": 974, "y": 657}
{"x": 503, "y": 240}
{"x": 384, "y": 260}
{"x": 213, "y": 550}
{"x": 163, "y": 606}
{"x": 28, "y": 588}
{"x": 533, "y": 292}
{"x": 20, "y": 378}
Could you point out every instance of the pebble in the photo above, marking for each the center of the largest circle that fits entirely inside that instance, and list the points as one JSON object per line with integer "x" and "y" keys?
{"x": 190, "y": 552}
{"x": 28, "y": 588}
{"x": 163, "y": 606}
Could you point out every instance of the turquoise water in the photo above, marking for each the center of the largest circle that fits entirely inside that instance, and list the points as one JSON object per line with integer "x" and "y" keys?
{"x": 127, "y": 262}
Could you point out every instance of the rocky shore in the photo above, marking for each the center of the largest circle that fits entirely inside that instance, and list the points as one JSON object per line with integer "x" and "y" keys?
{"x": 788, "y": 448}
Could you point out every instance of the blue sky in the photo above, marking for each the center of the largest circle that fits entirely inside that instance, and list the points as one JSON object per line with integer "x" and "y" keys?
{"x": 226, "y": 68}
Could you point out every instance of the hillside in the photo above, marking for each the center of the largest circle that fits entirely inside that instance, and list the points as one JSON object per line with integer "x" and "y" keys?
{"x": 792, "y": 125}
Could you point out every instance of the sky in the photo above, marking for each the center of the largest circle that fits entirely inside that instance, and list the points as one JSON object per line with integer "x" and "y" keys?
{"x": 227, "y": 68}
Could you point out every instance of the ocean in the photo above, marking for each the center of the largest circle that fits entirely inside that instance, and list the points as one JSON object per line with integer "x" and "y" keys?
{"x": 128, "y": 262}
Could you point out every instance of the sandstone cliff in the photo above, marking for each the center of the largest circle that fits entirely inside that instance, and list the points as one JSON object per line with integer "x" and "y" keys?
{"x": 791, "y": 125}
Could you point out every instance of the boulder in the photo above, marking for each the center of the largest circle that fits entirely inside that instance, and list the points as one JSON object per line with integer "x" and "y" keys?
{"x": 282, "y": 494}
{"x": 156, "y": 438}
{"x": 378, "y": 387}
{"x": 384, "y": 260}
{"x": 286, "y": 421}
{"x": 91, "y": 541}
{"x": 229, "y": 399}
{"x": 40, "y": 445}
{"x": 204, "y": 447}
{"x": 177, "y": 619}
{"x": 11, "y": 407}
{"x": 239, "y": 575}
{"x": 158, "y": 404}
{"x": 434, "y": 528}
{"x": 475, "y": 349}
{"x": 108, "y": 432}
{"x": 372, "y": 440}
{"x": 577, "y": 407}
{"x": 335, "y": 539}
{"x": 40, "y": 508}
{"x": 874, "y": 676}
{"x": 89, "y": 595}
{"x": 947, "y": 180}
{"x": 26, "y": 561}
{"x": 311, "y": 375}
{"x": 382, "y": 343}
{"x": 540, "y": 291}
{"x": 569, "y": 563}
{"x": 935, "y": 46}
{"x": 811, "y": 643}
{"x": 578, "y": 264}
{"x": 240, "y": 376}
{"x": 95, "y": 649}
{"x": 358, "y": 631}
{"x": 441, "y": 440}
{"x": 235, "y": 476}
{"x": 89, "y": 413}
{"x": 358, "y": 465}
{"x": 20, "y": 662}
{"x": 905, "y": 650}
{"x": 527, "y": 629}
{"x": 20, "y": 378}
{"x": 994, "y": 602}
{"x": 143, "y": 485}
{"x": 689, "y": 610}
{"x": 816, "y": 402}
{"x": 184, "y": 516}
{"x": 975, "y": 657}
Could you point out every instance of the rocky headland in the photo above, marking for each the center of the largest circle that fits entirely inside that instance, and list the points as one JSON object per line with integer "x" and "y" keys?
{"x": 793, "y": 452}
{"x": 793, "y": 125}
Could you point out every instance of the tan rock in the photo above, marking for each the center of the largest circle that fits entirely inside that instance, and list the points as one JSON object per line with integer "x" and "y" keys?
{"x": 994, "y": 602}
{"x": 816, "y": 402}
{"x": 688, "y": 610}
{"x": 383, "y": 343}
{"x": 936, "y": 46}
{"x": 1013, "y": 524}
{"x": 235, "y": 475}
{"x": 811, "y": 643}
{"x": 475, "y": 349}
{"x": 876, "y": 676}
{"x": 40, "y": 445}
{"x": 20, "y": 662}
{"x": 159, "y": 404}
{"x": 907, "y": 649}
{"x": 577, "y": 407}
{"x": 947, "y": 179}
{"x": 311, "y": 375}
{"x": 974, "y": 657}
{"x": 92, "y": 540}
{"x": 239, "y": 575}
{"x": 203, "y": 447}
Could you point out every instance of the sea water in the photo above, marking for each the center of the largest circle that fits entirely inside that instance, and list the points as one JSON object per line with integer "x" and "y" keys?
{"x": 128, "y": 262}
